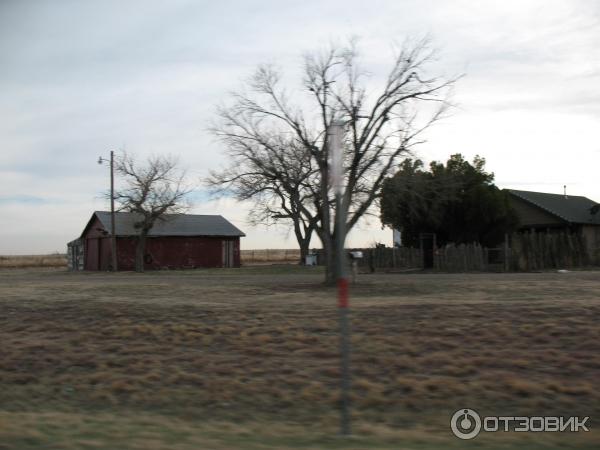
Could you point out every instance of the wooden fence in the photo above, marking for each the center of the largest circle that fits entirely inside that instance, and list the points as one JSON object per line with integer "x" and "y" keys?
{"x": 403, "y": 258}
{"x": 451, "y": 258}
{"x": 542, "y": 251}
{"x": 469, "y": 258}
{"x": 521, "y": 252}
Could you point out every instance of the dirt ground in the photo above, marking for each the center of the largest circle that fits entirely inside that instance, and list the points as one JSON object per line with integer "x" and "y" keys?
{"x": 248, "y": 358}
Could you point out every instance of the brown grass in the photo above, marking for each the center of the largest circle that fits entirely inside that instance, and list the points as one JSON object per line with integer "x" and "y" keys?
{"x": 263, "y": 256}
{"x": 28, "y": 261}
{"x": 257, "y": 349}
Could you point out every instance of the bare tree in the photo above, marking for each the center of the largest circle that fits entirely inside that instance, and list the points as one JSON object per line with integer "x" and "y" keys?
{"x": 274, "y": 174}
{"x": 265, "y": 123}
{"x": 153, "y": 190}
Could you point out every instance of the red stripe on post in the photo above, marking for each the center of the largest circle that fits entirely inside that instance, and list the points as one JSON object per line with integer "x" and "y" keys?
{"x": 342, "y": 284}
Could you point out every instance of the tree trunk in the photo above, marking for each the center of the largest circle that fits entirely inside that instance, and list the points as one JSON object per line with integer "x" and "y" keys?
{"x": 329, "y": 254}
{"x": 140, "y": 251}
{"x": 304, "y": 249}
{"x": 304, "y": 243}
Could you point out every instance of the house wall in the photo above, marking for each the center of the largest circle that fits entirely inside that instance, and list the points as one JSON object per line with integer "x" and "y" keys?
{"x": 591, "y": 234}
{"x": 531, "y": 216}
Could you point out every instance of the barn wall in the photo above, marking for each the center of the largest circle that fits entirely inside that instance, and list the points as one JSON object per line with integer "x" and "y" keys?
{"x": 165, "y": 252}
{"x": 96, "y": 247}
{"x": 236, "y": 252}
{"x": 95, "y": 230}
{"x": 91, "y": 254}
{"x": 105, "y": 253}
{"x": 126, "y": 253}
{"x": 176, "y": 252}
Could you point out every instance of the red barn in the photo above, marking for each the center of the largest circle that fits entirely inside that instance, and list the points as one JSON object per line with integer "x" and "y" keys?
{"x": 178, "y": 241}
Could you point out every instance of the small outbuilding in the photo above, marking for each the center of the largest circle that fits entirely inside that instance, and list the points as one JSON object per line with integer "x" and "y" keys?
{"x": 177, "y": 241}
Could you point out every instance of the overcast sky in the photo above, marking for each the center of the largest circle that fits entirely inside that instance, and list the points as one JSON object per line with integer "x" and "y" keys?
{"x": 80, "y": 78}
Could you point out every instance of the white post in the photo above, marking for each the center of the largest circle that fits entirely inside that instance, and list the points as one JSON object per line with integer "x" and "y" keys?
{"x": 336, "y": 172}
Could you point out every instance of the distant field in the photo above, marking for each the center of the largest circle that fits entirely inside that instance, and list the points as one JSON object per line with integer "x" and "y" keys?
{"x": 269, "y": 256}
{"x": 25, "y": 261}
{"x": 248, "y": 358}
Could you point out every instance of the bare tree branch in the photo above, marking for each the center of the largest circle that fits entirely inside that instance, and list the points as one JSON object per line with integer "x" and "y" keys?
{"x": 279, "y": 151}
{"x": 153, "y": 191}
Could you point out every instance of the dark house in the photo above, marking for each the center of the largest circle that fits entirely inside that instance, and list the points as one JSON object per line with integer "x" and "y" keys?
{"x": 179, "y": 241}
{"x": 551, "y": 213}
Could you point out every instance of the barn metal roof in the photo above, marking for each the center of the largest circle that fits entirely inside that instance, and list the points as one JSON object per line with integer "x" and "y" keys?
{"x": 171, "y": 225}
{"x": 570, "y": 208}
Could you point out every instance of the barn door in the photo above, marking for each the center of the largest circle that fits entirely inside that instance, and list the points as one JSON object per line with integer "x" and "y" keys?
{"x": 92, "y": 254}
{"x": 227, "y": 253}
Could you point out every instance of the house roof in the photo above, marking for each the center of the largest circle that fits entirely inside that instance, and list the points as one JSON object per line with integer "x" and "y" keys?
{"x": 574, "y": 209}
{"x": 171, "y": 225}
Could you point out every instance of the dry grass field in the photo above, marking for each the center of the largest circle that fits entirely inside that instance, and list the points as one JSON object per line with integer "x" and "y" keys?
{"x": 27, "y": 261}
{"x": 248, "y": 358}
{"x": 264, "y": 256}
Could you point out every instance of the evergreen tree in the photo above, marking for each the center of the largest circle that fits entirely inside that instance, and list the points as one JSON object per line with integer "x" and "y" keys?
{"x": 457, "y": 201}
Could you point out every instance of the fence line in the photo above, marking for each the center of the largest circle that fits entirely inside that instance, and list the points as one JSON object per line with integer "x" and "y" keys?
{"x": 521, "y": 252}
{"x": 539, "y": 251}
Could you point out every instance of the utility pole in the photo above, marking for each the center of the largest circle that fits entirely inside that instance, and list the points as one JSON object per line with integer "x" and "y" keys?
{"x": 113, "y": 237}
{"x": 335, "y": 140}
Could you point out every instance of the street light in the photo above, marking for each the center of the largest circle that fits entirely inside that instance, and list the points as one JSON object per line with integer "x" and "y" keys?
{"x": 113, "y": 238}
